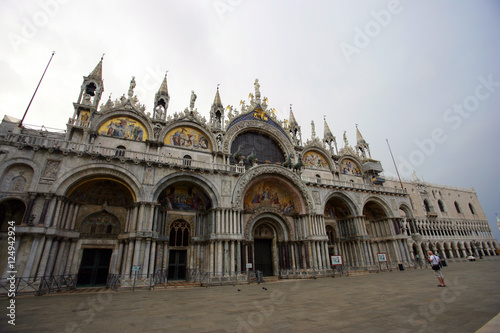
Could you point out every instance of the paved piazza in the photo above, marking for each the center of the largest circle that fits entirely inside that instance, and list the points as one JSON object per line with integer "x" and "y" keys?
{"x": 398, "y": 301}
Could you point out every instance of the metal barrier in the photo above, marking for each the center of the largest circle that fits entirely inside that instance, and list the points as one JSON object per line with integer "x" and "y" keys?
{"x": 37, "y": 286}
{"x": 120, "y": 281}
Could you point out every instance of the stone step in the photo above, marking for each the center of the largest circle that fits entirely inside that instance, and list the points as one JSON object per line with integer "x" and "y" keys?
{"x": 270, "y": 278}
{"x": 178, "y": 284}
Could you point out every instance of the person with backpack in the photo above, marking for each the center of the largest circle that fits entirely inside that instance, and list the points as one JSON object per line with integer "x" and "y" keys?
{"x": 435, "y": 262}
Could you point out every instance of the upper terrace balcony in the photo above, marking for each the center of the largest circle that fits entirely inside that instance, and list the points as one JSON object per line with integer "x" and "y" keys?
{"x": 55, "y": 142}
{"x": 124, "y": 155}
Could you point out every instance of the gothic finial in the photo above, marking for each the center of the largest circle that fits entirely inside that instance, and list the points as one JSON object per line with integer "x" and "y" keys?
{"x": 102, "y": 56}
{"x": 217, "y": 100}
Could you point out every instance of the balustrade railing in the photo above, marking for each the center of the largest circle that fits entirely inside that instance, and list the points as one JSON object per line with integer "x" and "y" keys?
{"x": 118, "y": 153}
{"x": 339, "y": 183}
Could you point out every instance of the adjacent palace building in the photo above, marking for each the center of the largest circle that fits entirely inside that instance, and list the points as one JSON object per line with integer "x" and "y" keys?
{"x": 123, "y": 191}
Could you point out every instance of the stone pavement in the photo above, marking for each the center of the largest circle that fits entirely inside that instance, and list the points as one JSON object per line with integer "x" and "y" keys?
{"x": 398, "y": 301}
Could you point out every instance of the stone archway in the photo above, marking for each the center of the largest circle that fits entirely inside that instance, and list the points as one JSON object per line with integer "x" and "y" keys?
{"x": 266, "y": 238}
{"x": 11, "y": 210}
{"x": 103, "y": 207}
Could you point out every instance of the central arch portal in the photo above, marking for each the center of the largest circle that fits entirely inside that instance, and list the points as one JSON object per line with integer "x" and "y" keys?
{"x": 266, "y": 238}
{"x": 263, "y": 249}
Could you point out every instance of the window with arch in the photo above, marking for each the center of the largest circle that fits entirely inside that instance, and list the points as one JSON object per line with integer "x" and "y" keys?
{"x": 120, "y": 151}
{"x": 90, "y": 89}
{"x": 179, "y": 234}
{"x": 472, "y": 210}
{"x": 187, "y": 160}
{"x": 318, "y": 179}
{"x": 441, "y": 205}
{"x": 457, "y": 207}
{"x": 267, "y": 151}
{"x": 426, "y": 205}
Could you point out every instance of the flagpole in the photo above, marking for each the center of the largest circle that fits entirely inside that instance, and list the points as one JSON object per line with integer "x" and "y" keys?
{"x": 25, "y": 112}
{"x": 400, "y": 182}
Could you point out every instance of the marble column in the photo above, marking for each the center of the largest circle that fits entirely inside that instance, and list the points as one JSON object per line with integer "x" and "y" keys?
{"x": 43, "y": 214}
{"x": 29, "y": 209}
{"x": 219, "y": 257}
{"x": 45, "y": 256}
{"x": 146, "y": 256}
{"x": 62, "y": 258}
{"x": 69, "y": 259}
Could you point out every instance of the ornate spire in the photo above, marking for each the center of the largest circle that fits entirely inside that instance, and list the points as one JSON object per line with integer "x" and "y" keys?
{"x": 327, "y": 133}
{"x": 161, "y": 100}
{"x": 217, "y": 100}
{"x": 291, "y": 118}
{"x": 97, "y": 72}
{"x": 294, "y": 129}
{"x": 329, "y": 138}
{"x": 362, "y": 146}
{"x": 163, "y": 88}
{"x": 217, "y": 112}
{"x": 359, "y": 137}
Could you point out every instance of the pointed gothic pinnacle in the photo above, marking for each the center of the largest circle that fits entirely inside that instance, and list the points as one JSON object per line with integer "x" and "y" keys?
{"x": 164, "y": 88}
{"x": 327, "y": 133}
{"x": 217, "y": 100}
{"x": 292, "y": 118}
{"x": 359, "y": 137}
{"x": 97, "y": 72}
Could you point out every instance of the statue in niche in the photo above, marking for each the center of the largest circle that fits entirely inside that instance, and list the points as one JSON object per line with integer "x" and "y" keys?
{"x": 86, "y": 100}
{"x": 157, "y": 131}
{"x": 18, "y": 182}
{"x": 219, "y": 142}
{"x": 159, "y": 111}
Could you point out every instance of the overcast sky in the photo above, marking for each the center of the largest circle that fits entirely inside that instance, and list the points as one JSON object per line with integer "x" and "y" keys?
{"x": 423, "y": 74}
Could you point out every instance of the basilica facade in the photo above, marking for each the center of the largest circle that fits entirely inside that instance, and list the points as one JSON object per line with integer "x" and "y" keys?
{"x": 123, "y": 191}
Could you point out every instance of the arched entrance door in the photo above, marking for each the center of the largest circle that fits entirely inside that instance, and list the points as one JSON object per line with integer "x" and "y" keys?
{"x": 104, "y": 202}
{"x": 264, "y": 237}
{"x": 178, "y": 244}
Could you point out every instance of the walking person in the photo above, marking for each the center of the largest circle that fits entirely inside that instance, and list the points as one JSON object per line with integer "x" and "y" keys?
{"x": 436, "y": 267}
